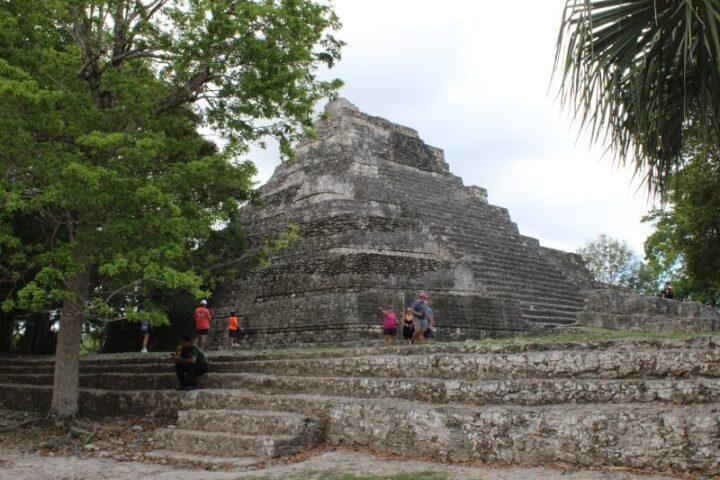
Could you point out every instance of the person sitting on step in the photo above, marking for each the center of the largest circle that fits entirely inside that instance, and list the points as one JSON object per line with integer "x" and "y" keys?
{"x": 190, "y": 361}
{"x": 667, "y": 292}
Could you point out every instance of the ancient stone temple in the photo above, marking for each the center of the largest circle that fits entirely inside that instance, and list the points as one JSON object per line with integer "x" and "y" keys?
{"x": 380, "y": 217}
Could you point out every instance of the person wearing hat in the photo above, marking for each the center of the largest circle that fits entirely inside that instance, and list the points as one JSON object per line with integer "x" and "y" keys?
{"x": 202, "y": 322}
{"x": 668, "y": 292}
{"x": 421, "y": 310}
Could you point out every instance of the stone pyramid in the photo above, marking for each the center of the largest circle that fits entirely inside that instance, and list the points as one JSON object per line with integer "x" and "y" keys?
{"x": 381, "y": 217}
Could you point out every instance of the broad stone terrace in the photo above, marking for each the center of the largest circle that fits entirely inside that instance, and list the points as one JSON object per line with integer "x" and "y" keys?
{"x": 652, "y": 404}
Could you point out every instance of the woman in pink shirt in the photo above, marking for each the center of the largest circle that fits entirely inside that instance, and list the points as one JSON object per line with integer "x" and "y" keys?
{"x": 389, "y": 325}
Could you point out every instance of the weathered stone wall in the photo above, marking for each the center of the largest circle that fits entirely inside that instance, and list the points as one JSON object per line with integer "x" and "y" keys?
{"x": 608, "y": 308}
{"x": 650, "y": 404}
{"x": 571, "y": 265}
{"x": 380, "y": 217}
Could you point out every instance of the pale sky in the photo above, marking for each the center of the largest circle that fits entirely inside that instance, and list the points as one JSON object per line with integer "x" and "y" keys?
{"x": 472, "y": 77}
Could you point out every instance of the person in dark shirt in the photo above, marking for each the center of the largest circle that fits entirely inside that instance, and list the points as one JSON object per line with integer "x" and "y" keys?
{"x": 668, "y": 292}
{"x": 190, "y": 361}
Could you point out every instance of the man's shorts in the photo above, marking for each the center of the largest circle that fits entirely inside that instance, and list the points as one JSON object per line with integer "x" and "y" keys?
{"x": 204, "y": 331}
{"x": 420, "y": 323}
{"x": 408, "y": 331}
{"x": 390, "y": 332}
{"x": 233, "y": 333}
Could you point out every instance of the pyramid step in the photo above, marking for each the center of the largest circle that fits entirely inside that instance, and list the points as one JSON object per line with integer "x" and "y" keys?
{"x": 488, "y": 392}
{"x": 609, "y": 364}
{"x": 251, "y": 422}
{"x": 224, "y": 444}
{"x": 553, "y": 306}
{"x": 559, "y": 319}
{"x": 638, "y": 435}
{"x": 207, "y": 462}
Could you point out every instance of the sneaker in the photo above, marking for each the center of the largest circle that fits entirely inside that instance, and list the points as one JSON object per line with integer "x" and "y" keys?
{"x": 144, "y": 350}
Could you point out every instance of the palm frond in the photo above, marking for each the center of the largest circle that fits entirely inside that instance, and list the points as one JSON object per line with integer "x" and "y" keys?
{"x": 642, "y": 76}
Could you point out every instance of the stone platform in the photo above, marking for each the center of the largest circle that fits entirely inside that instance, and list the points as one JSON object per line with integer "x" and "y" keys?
{"x": 646, "y": 404}
{"x": 618, "y": 310}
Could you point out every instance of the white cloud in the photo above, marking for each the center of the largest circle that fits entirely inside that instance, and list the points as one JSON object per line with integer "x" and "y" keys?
{"x": 472, "y": 77}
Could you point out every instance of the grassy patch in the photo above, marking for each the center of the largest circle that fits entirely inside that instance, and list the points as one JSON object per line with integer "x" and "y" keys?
{"x": 587, "y": 334}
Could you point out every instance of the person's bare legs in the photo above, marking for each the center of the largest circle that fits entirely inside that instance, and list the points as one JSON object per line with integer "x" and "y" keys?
{"x": 385, "y": 340}
{"x": 419, "y": 332}
{"x": 146, "y": 339}
{"x": 201, "y": 341}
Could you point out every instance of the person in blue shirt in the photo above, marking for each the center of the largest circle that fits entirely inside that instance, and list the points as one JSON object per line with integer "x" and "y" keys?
{"x": 423, "y": 316}
{"x": 431, "y": 325}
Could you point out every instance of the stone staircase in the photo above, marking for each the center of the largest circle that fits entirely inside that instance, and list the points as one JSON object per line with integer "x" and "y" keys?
{"x": 646, "y": 404}
{"x": 244, "y": 433}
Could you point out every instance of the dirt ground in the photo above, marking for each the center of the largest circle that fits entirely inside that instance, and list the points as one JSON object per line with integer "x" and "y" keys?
{"x": 114, "y": 449}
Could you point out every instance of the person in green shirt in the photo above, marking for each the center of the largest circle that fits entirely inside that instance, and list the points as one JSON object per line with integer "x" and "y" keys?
{"x": 190, "y": 361}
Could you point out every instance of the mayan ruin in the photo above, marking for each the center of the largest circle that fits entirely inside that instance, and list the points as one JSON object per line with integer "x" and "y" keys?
{"x": 345, "y": 240}
{"x": 380, "y": 217}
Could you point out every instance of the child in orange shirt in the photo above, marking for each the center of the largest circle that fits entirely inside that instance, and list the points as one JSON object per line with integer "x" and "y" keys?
{"x": 233, "y": 330}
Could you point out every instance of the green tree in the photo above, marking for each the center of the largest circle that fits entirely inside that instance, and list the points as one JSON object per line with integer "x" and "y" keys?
{"x": 611, "y": 261}
{"x": 101, "y": 104}
{"x": 685, "y": 246}
{"x": 643, "y": 75}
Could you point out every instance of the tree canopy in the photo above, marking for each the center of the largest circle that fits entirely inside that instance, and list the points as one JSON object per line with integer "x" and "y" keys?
{"x": 611, "y": 261}
{"x": 685, "y": 246}
{"x": 108, "y": 185}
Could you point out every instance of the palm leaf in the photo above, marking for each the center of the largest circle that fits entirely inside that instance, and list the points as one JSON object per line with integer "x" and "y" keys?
{"x": 643, "y": 76}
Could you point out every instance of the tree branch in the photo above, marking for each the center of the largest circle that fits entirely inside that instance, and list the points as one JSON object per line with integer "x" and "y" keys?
{"x": 187, "y": 92}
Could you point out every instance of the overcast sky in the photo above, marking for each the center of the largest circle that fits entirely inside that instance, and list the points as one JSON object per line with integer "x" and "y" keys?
{"x": 472, "y": 77}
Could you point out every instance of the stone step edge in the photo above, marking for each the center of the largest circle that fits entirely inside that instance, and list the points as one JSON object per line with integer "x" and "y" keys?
{"x": 312, "y": 400}
{"x": 700, "y": 342}
{"x": 410, "y": 352}
{"x": 525, "y": 380}
{"x": 189, "y": 400}
{"x": 251, "y": 412}
{"x": 188, "y": 459}
{"x": 268, "y": 446}
{"x": 226, "y": 435}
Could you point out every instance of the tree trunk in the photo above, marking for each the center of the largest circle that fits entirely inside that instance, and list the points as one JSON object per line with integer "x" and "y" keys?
{"x": 67, "y": 353}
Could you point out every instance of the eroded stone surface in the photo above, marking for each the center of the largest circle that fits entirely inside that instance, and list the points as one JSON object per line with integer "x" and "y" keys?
{"x": 651, "y": 404}
{"x": 629, "y": 311}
